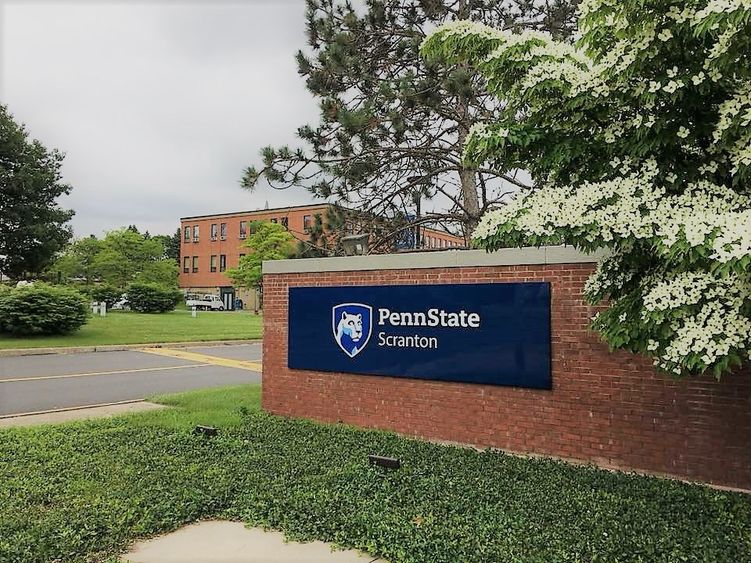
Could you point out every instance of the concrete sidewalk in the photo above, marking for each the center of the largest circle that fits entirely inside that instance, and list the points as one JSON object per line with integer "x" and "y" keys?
{"x": 232, "y": 542}
{"x": 78, "y": 413}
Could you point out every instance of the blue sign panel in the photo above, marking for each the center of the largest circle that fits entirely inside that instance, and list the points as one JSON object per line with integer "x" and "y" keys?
{"x": 475, "y": 333}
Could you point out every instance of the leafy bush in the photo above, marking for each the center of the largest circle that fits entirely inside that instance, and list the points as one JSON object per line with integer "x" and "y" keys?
{"x": 106, "y": 293}
{"x": 152, "y": 298}
{"x": 42, "y": 309}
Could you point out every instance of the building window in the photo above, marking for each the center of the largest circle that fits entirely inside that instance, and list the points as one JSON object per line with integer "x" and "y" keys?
{"x": 273, "y": 220}
{"x": 306, "y": 223}
{"x": 223, "y": 231}
{"x": 186, "y": 264}
{"x": 212, "y": 263}
{"x": 242, "y": 256}
{"x": 222, "y": 262}
{"x": 253, "y": 227}
{"x": 213, "y": 231}
{"x": 195, "y": 233}
{"x": 285, "y": 222}
{"x": 243, "y": 229}
{"x": 195, "y": 264}
{"x": 186, "y": 236}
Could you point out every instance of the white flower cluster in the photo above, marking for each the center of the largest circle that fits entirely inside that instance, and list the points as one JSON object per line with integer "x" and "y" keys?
{"x": 685, "y": 288}
{"x": 466, "y": 28}
{"x": 740, "y": 153}
{"x": 722, "y": 46}
{"x": 680, "y": 16}
{"x": 711, "y": 332}
{"x": 705, "y": 311}
{"x": 736, "y": 109}
{"x": 634, "y": 206}
{"x": 721, "y": 6}
{"x": 610, "y": 275}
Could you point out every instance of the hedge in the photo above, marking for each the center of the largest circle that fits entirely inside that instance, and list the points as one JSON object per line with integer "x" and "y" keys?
{"x": 152, "y": 298}
{"x": 41, "y": 309}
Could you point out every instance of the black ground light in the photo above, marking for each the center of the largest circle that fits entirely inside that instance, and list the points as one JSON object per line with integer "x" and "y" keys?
{"x": 208, "y": 431}
{"x": 387, "y": 462}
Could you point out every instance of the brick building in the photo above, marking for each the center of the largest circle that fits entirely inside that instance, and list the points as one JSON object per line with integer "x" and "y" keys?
{"x": 212, "y": 244}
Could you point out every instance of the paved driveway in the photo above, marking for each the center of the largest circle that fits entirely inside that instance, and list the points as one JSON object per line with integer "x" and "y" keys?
{"x": 59, "y": 381}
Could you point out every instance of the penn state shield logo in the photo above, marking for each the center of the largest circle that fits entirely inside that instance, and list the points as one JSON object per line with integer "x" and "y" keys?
{"x": 352, "y": 324}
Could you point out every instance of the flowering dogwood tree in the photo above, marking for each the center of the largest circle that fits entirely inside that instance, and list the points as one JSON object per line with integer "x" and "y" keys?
{"x": 638, "y": 140}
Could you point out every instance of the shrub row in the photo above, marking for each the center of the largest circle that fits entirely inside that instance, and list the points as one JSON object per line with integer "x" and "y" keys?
{"x": 42, "y": 309}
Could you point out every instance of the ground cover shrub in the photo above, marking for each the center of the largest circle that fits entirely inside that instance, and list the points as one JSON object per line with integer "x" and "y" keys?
{"x": 40, "y": 309}
{"x": 152, "y": 298}
{"x": 83, "y": 492}
{"x": 106, "y": 293}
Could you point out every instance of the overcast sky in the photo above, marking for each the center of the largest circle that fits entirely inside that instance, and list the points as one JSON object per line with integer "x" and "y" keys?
{"x": 160, "y": 105}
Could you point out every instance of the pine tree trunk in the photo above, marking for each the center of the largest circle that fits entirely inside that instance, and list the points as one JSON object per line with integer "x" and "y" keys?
{"x": 467, "y": 179}
{"x": 467, "y": 176}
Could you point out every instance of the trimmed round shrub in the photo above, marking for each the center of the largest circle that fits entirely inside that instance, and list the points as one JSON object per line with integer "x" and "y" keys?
{"x": 106, "y": 293}
{"x": 152, "y": 298}
{"x": 42, "y": 309}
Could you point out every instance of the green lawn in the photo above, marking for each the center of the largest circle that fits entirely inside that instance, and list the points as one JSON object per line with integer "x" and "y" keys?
{"x": 84, "y": 491}
{"x": 139, "y": 328}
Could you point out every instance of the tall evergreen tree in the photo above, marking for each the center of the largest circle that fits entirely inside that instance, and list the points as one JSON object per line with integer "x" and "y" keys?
{"x": 393, "y": 126}
{"x": 171, "y": 244}
{"x": 33, "y": 226}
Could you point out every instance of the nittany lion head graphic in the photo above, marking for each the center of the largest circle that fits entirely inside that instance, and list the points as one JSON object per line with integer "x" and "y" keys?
{"x": 352, "y": 324}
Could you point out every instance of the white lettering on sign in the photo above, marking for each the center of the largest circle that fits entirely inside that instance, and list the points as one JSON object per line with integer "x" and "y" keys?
{"x": 432, "y": 317}
{"x": 416, "y": 341}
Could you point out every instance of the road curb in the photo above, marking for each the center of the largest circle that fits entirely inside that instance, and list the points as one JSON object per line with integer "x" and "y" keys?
{"x": 15, "y": 352}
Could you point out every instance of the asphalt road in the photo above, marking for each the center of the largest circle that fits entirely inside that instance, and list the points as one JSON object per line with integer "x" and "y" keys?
{"x": 43, "y": 383}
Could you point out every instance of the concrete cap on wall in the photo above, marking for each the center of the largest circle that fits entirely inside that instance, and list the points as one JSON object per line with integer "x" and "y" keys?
{"x": 435, "y": 259}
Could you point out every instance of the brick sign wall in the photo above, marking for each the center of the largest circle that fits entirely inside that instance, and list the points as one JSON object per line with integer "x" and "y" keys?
{"x": 610, "y": 409}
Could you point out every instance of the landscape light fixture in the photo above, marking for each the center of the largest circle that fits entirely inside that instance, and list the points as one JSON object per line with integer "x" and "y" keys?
{"x": 387, "y": 462}
{"x": 208, "y": 431}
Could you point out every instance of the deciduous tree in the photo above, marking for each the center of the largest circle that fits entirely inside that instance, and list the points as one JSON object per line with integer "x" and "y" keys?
{"x": 33, "y": 226}
{"x": 268, "y": 241}
{"x": 638, "y": 139}
{"x": 78, "y": 261}
{"x": 127, "y": 256}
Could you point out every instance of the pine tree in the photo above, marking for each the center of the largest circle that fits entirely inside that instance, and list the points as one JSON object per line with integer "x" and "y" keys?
{"x": 392, "y": 126}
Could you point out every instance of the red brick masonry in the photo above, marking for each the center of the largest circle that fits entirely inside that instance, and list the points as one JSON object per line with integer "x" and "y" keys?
{"x": 606, "y": 408}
